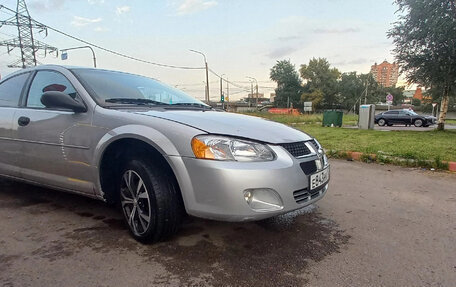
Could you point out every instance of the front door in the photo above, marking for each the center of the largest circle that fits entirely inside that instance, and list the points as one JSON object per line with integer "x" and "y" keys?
{"x": 55, "y": 143}
{"x": 404, "y": 118}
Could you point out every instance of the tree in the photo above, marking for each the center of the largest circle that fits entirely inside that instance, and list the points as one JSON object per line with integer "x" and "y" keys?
{"x": 320, "y": 76}
{"x": 425, "y": 39}
{"x": 416, "y": 102}
{"x": 351, "y": 88}
{"x": 315, "y": 97}
{"x": 358, "y": 89}
{"x": 289, "y": 88}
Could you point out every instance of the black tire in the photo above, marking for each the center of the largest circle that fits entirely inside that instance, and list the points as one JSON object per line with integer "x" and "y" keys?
{"x": 418, "y": 123}
{"x": 381, "y": 122}
{"x": 165, "y": 208}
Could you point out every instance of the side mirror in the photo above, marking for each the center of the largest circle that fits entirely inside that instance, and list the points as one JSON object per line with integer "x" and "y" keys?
{"x": 55, "y": 99}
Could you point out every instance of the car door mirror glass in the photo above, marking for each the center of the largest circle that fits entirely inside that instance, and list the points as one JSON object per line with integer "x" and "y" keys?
{"x": 60, "y": 100}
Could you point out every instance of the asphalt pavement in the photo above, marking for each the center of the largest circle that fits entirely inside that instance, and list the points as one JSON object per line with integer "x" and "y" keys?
{"x": 378, "y": 225}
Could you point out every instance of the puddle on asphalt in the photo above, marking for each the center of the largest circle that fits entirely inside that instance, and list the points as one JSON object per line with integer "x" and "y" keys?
{"x": 273, "y": 252}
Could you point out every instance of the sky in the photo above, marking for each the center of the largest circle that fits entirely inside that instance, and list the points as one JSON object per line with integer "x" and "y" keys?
{"x": 240, "y": 39}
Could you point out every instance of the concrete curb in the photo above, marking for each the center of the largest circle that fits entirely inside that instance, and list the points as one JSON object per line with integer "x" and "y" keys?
{"x": 355, "y": 155}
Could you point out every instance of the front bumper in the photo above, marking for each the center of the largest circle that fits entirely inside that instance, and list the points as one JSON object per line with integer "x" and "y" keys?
{"x": 215, "y": 189}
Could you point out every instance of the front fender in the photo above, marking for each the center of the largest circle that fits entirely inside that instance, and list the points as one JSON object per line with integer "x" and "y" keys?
{"x": 146, "y": 134}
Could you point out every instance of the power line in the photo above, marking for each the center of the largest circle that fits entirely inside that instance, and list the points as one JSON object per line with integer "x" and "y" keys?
{"x": 109, "y": 50}
{"x": 229, "y": 82}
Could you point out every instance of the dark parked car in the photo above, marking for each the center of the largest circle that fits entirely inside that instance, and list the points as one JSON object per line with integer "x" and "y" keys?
{"x": 403, "y": 117}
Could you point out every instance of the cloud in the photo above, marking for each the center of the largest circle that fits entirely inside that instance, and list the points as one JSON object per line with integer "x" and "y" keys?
{"x": 281, "y": 52}
{"x": 93, "y": 2}
{"x": 101, "y": 29}
{"x": 293, "y": 20}
{"x": 122, "y": 10}
{"x": 80, "y": 21}
{"x": 335, "y": 31}
{"x": 358, "y": 61}
{"x": 46, "y": 5}
{"x": 193, "y": 6}
{"x": 288, "y": 38}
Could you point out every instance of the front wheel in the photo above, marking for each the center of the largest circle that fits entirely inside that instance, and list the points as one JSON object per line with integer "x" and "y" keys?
{"x": 418, "y": 123}
{"x": 381, "y": 122}
{"x": 150, "y": 201}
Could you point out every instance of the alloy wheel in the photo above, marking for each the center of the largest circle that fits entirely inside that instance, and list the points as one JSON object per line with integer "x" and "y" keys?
{"x": 135, "y": 201}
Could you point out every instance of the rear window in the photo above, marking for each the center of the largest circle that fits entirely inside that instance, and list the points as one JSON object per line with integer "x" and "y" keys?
{"x": 10, "y": 90}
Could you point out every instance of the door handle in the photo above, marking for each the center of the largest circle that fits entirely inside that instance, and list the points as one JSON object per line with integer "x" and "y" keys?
{"x": 23, "y": 121}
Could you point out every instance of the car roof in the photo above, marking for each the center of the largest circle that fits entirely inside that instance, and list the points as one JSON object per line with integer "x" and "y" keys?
{"x": 67, "y": 67}
{"x": 398, "y": 110}
{"x": 40, "y": 67}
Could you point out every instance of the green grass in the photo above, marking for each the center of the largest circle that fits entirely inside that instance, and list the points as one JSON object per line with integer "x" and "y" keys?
{"x": 453, "y": 122}
{"x": 430, "y": 145}
{"x": 409, "y": 145}
{"x": 303, "y": 119}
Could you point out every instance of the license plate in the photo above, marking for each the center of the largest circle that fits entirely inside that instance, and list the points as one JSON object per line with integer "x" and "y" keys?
{"x": 319, "y": 178}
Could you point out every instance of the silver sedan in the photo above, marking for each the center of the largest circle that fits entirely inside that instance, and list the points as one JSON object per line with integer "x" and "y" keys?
{"x": 152, "y": 150}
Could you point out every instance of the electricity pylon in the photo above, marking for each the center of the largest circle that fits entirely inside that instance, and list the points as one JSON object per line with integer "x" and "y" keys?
{"x": 25, "y": 41}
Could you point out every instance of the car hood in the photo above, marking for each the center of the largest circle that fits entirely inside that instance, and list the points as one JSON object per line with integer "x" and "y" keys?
{"x": 232, "y": 124}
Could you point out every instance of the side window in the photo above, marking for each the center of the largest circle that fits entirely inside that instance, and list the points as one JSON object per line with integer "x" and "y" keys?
{"x": 46, "y": 81}
{"x": 10, "y": 90}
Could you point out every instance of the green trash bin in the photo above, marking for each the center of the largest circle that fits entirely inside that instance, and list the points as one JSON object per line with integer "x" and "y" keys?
{"x": 332, "y": 118}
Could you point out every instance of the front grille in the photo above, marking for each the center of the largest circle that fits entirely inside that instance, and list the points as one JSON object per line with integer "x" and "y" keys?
{"x": 303, "y": 195}
{"x": 296, "y": 149}
{"x": 308, "y": 167}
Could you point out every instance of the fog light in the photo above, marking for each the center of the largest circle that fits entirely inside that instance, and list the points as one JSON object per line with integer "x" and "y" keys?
{"x": 248, "y": 196}
{"x": 263, "y": 199}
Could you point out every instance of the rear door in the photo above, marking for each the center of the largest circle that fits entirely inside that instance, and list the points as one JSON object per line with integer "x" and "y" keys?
{"x": 10, "y": 94}
{"x": 391, "y": 117}
{"x": 55, "y": 142}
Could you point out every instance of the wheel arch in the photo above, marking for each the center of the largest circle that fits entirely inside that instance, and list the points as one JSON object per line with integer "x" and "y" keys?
{"x": 120, "y": 143}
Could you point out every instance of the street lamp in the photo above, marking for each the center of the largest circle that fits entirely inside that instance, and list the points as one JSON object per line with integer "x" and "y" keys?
{"x": 207, "y": 75}
{"x": 256, "y": 89}
{"x": 222, "y": 99}
{"x": 65, "y": 55}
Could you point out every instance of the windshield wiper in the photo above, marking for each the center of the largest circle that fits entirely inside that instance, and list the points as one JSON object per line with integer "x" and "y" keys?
{"x": 131, "y": 101}
{"x": 198, "y": 105}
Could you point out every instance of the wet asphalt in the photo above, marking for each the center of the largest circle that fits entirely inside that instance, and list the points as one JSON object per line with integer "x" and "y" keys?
{"x": 377, "y": 226}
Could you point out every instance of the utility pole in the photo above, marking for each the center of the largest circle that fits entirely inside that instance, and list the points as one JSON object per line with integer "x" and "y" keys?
{"x": 25, "y": 41}
{"x": 207, "y": 75}
{"x": 256, "y": 88}
{"x": 251, "y": 92}
{"x": 227, "y": 98}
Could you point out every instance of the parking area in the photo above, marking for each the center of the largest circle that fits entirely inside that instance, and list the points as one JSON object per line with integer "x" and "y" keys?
{"x": 377, "y": 226}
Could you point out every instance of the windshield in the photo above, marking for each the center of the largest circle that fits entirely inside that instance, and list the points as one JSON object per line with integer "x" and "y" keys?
{"x": 122, "y": 88}
{"x": 412, "y": 113}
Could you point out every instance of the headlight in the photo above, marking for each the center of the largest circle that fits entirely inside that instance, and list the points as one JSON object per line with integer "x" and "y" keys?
{"x": 226, "y": 148}
{"x": 321, "y": 151}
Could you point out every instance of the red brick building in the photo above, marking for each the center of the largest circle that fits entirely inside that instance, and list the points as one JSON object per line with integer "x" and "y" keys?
{"x": 385, "y": 74}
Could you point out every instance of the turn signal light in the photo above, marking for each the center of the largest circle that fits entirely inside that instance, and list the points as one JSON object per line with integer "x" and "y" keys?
{"x": 201, "y": 150}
